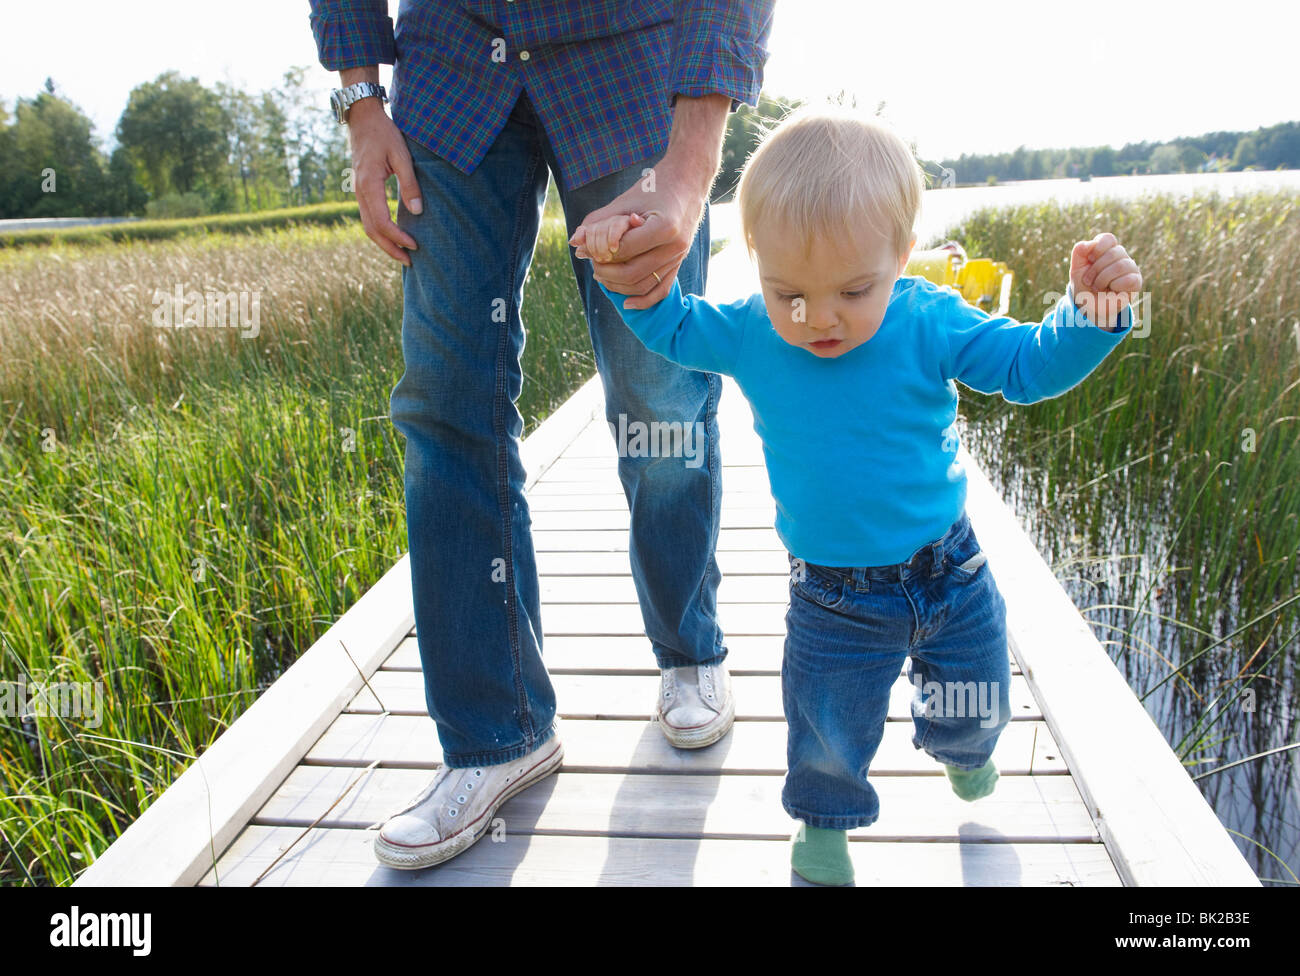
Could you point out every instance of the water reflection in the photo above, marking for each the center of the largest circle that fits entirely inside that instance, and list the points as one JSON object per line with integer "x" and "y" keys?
{"x": 1160, "y": 582}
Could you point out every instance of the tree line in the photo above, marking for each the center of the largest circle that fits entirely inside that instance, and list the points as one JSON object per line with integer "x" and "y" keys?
{"x": 184, "y": 150}
{"x": 1273, "y": 147}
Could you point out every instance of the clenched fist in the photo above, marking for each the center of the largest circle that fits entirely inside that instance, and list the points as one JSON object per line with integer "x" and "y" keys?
{"x": 1105, "y": 279}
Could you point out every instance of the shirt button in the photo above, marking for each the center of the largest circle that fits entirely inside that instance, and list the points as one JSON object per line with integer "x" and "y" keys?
{"x": 523, "y": 55}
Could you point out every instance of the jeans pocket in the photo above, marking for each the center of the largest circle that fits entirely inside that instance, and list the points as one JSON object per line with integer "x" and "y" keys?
{"x": 821, "y": 587}
{"x": 970, "y": 565}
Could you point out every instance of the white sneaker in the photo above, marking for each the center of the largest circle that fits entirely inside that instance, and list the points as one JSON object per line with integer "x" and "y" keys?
{"x": 457, "y": 807}
{"x": 695, "y": 705}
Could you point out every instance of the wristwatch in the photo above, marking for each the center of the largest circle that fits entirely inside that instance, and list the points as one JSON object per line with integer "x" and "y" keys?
{"x": 341, "y": 99}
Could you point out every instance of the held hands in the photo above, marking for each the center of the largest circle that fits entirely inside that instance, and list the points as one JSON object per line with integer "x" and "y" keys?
{"x": 1105, "y": 279}
{"x": 600, "y": 240}
{"x": 668, "y": 201}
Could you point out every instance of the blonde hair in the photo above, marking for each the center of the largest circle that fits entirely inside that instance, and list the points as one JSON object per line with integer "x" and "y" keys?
{"x": 824, "y": 171}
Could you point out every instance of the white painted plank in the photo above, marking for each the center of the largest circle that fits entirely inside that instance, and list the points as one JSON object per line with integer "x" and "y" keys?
{"x": 625, "y": 618}
{"x": 621, "y": 589}
{"x": 731, "y": 517}
{"x": 732, "y": 562}
{"x": 601, "y": 475}
{"x": 344, "y": 858}
{"x": 615, "y": 540}
{"x": 1022, "y": 809}
{"x": 597, "y": 501}
{"x": 746, "y": 478}
{"x": 634, "y": 696}
{"x": 545, "y": 445}
{"x": 737, "y": 445}
{"x": 752, "y": 654}
{"x": 912, "y": 808}
{"x": 614, "y": 745}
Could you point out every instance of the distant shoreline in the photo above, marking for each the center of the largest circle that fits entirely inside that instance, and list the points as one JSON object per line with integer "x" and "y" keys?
{"x": 57, "y": 223}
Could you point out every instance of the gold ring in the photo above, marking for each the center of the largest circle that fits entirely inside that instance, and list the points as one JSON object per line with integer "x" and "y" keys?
{"x": 657, "y": 278}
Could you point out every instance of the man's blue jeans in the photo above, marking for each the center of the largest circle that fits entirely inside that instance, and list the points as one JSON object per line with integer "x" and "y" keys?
{"x": 473, "y": 570}
{"x": 848, "y": 631}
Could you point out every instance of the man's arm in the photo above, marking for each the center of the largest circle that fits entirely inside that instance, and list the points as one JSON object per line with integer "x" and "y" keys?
{"x": 719, "y": 49}
{"x": 695, "y": 142}
{"x": 718, "y": 56}
{"x": 720, "y": 46}
{"x": 354, "y": 38}
{"x": 672, "y": 201}
{"x": 353, "y": 34}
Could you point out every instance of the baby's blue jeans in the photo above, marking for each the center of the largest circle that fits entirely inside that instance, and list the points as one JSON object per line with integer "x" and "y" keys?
{"x": 848, "y": 631}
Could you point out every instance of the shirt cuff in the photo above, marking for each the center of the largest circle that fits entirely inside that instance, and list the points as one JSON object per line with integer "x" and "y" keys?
{"x": 1072, "y": 315}
{"x": 715, "y": 64}
{"x": 355, "y": 36}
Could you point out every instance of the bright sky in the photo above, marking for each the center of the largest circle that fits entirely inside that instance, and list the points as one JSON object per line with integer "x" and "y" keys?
{"x": 987, "y": 78}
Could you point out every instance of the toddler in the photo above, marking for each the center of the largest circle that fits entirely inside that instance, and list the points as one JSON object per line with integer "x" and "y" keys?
{"x": 851, "y": 368}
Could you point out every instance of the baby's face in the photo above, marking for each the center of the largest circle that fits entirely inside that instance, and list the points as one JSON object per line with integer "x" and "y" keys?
{"x": 835, "y": 299}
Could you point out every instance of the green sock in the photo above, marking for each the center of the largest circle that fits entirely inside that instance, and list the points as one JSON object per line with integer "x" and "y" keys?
{"x": 971, "y": 784}
{"x": 822, "y": 856}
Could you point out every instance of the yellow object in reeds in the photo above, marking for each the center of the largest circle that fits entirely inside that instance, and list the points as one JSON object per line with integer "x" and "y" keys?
{"x": 983, "y": 282}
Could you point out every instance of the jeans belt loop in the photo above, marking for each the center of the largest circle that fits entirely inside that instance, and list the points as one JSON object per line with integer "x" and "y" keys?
{"x": 936, "y": 559}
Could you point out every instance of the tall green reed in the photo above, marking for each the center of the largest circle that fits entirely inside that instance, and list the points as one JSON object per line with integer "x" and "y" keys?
{"x": 1166, "y": 487}
{"x": 184, "y": 511}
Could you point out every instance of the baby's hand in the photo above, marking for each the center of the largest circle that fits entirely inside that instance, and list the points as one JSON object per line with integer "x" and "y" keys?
{"x": 599, "y": 241}
{"x": 1104, "y": 277}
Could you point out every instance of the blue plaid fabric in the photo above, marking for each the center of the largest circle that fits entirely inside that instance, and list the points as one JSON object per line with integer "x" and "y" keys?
{"x": 602, "y": 75}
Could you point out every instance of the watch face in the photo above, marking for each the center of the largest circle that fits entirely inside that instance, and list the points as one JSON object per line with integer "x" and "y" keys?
{"x": 336, "y": 103}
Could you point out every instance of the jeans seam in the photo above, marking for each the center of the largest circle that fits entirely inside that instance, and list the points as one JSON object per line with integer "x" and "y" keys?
{"x": 710, "y": 408}
{"x": 924, "y": 745}
{"x": 503, "y": 467}
{"x": 916, "y": 616}
{"x": 713, "y": 387}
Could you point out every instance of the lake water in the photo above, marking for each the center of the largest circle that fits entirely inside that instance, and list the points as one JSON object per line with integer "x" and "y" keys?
{"x": 942, "y": 209}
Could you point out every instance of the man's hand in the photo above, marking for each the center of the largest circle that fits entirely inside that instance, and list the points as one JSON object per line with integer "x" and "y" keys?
{"x": 671, "y": 198}
{"x": 1105, "y": 279}
{"x": 379, "y": 151}
{"x": 672, "y": 211}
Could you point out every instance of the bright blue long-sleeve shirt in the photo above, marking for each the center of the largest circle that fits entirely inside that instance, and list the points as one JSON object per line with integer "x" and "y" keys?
{"x": 861, "y": 449}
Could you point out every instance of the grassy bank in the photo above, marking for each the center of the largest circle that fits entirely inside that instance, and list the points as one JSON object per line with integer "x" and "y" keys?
{"x": 183, "y": 511}
{"x": 325, "y": 214}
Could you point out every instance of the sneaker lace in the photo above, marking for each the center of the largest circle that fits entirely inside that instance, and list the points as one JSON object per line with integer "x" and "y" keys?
{"x": 466, "y": 787}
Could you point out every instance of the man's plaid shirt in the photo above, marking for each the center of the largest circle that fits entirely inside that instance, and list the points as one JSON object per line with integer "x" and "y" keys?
{"x": 601, "y": 74}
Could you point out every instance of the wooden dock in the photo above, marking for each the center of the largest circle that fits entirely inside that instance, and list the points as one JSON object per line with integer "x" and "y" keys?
{"x": 1090, "y": 792}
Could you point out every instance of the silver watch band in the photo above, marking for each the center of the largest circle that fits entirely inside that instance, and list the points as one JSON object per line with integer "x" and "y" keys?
{"x": 342, "y": 99}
